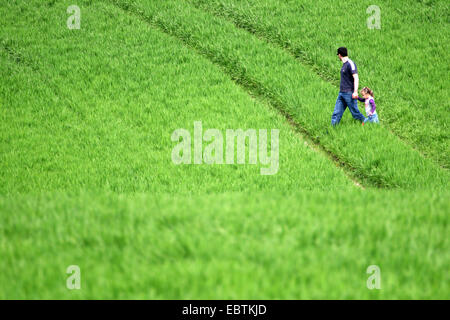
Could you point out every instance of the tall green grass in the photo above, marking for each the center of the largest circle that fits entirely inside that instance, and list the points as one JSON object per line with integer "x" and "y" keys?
{"x": 374, "y": 153}
{"x": 405, "y": 62}
{"x": 230, "y": 246}
{"x": 86, "y": 175}
{"x": 95, "y": 109}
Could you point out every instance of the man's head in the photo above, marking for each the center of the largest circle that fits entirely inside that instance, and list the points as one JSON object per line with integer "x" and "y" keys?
{"x": 342, "y": 52}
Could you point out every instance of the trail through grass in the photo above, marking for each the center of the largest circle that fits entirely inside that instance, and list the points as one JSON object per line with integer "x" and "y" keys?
{"x": 375, "y": 155}
{"x": 229, "y": 246}
{"x": 99, "y": 111}
{"x": 405, "y": 62}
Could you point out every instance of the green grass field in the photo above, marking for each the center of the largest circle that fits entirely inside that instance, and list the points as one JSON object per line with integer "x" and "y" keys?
{"x": 87, "y": 178}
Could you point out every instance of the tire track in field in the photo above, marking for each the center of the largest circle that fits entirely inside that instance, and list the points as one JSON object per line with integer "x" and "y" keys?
{"x": 300, "y": 55}
{"x": 21, "y": 60}
{"x": 255, "y": 90}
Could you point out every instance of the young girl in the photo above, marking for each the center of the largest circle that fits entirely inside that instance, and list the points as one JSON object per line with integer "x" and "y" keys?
{"x": 369, "y": 102}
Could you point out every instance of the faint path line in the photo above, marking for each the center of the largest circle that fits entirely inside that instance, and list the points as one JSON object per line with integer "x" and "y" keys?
{"x": 20, "y": 61}
{"x": 299, "y": 55}
{"x": 253, "y": 89}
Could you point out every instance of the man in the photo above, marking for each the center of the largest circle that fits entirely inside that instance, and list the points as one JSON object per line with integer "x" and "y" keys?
{"x": 348, "y": 89}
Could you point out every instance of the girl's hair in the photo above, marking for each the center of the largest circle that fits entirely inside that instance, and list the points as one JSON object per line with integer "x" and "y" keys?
{"x": 367, "y": 90}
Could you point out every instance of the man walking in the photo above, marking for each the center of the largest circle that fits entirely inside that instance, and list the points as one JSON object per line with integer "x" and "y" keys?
{"x": 348, "y": 90}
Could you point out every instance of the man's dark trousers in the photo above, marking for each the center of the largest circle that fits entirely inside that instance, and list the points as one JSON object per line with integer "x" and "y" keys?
{"x": 343, "y": 101}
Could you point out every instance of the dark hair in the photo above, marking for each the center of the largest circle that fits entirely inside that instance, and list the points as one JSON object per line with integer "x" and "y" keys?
{"x": 342, "y": 51}
{"x": 367, "y": 90}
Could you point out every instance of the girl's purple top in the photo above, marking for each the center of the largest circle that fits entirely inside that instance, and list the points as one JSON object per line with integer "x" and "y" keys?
{"x": 371, "y": 102}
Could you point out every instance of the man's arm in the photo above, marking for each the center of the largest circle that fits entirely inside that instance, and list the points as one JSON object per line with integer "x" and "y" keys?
{"x": 355, "y": 92}
{"x": 361, "y": 99}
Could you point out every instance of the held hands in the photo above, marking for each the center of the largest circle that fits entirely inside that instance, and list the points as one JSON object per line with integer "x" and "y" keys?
{"x": 355, "y": 95}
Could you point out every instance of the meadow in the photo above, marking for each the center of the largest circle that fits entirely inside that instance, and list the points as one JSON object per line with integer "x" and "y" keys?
{"x": 405, "y": 61}
{"x": 90, "y": 119}
{"x": 307, "y": 245}
{"x": 87, "y": 176}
